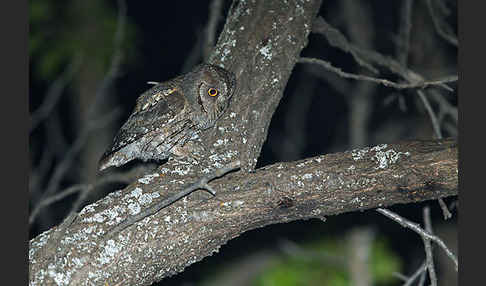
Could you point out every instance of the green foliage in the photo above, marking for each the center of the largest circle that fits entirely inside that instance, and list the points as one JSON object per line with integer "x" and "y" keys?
{"x": 384, "y": 263}
{"x": 323, "y": 263}
{"x": 59, "y": 31}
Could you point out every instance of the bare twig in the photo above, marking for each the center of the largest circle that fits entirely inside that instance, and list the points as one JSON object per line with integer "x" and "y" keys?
{"x": 69, "y": 158}
{"x": 429, "y": 258}
{"x": 445, "y": 108}
{"x": 200, "y": 184}
{"x": 61, "y": 195}
{"x": 403, "y": 40}
{"x": 338, "y": 40}
{"x": 440, "y": 25}
{"x": 358, "y": 20}
{"x": 445, "y": 211}
{"x": 409, "y": 280}
{"x": 375, "y": 57}
{"x": 85, "y": 188}
{"x": 430, "y": 111}
{"x": 92, "y": 124}
{"x": 402, "y": 56}
{"x": 423, "y": 233}
{"x": 385, "y": 82}
{"x": 215, "y": 9}
{"x": 40, "y": 171}
{"x": 116, "y": 59}
{"x": 54, "y": 93}
{"x": 422, "y": 278}
{"x": 359, "y": 245}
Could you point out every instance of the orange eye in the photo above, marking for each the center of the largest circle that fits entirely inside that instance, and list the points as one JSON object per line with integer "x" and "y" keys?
{"x": 212, "y": 92}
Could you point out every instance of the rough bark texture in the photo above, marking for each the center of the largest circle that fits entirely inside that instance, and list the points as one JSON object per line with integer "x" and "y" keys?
{"x": 260, "y": 42}
{"x": 192, "y": 229}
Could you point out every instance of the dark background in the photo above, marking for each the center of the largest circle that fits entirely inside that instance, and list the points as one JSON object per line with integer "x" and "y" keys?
{"x": 163, "y": 38}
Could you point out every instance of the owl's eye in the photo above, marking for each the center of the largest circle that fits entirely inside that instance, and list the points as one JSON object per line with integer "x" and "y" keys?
{"x": 212, "y": 92}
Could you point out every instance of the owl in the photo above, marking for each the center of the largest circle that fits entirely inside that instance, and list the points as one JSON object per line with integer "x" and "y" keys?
{"x": 170, "y": 114}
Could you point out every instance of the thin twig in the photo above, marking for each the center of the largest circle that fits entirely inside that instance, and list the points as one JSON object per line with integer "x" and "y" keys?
{"x": 400, "y": 276}
{"x": 429, "y": 257}
{"x": 121, "y": 177}
{"x": 202, "y": 183}
{"x": 445, "y": 107}
{"x": 422, "y": 279}
{"x": 39, "y": 173}
{"x": 215, "y": 9}
{"x": 116, "y": 60}
{"x": 85, "y": 188}
{"x": 385, "y": 82}
{"x": 416, "y": 274}
{"x": 445, "y": 211}
{"x": 439, "y": 24}
{"x": 430, "y": 111}
{"x": 61, "y": 195}
{"x": 416, "y": 228}
{"x": 402, "y": 56}
{"x": 373, "y": 56}
{"x": 403, "y": 41}
{"x": 94, "y": 124}
{"x": 54, "y": 93}
{"x": 359, "y": 246}
{"x": 338, "y": 40}
{"x": 70, "y": 156}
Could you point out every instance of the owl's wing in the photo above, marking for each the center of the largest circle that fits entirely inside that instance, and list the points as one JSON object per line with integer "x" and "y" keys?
{"x": 158, "y": 115}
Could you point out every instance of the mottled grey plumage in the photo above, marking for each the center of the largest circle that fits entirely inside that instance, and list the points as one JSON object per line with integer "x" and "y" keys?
{"x": 171, "y": 113}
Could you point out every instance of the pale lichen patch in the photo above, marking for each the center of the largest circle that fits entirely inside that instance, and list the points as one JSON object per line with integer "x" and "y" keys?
{"x": 134, "y": 208}
{"x": 307, "y": 176}
{"x": 182, "y": 170}
{"x": 134, "y": 193}
{"x": 202, "y": 216}
{"x": 109, "y": 251}
{"x": 61, "y": 278}
{"x": 146, "y": 199}
{"x": 379, "y": 147}
{"x": 316, "y": 212}
{"x": 266, "y": 52}
{"x": 148, "y": 178}
{"x": 220, "y": 142}
{"x": 358, "y": 154}
{"x": 387, "y": 158}
{"x": 112, "y": 214}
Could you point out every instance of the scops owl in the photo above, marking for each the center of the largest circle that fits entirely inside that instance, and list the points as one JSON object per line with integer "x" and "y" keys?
{"x": 170, "y": 114}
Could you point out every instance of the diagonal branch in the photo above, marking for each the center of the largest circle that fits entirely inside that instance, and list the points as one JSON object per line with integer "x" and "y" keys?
{"x": 190, "y": 229}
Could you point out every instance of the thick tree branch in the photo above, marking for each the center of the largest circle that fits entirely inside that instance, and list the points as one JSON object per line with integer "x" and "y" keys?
{"x": 191, "y": 229}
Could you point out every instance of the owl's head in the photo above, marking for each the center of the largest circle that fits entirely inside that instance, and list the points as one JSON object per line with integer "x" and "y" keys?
{"x": 213, "y": 88}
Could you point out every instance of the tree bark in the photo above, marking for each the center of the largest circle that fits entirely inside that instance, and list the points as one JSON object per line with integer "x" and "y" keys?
{"x": 260, "y": 42}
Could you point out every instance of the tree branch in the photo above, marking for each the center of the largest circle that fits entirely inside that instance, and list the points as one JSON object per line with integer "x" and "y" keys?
{"x": 190, "y": 229}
